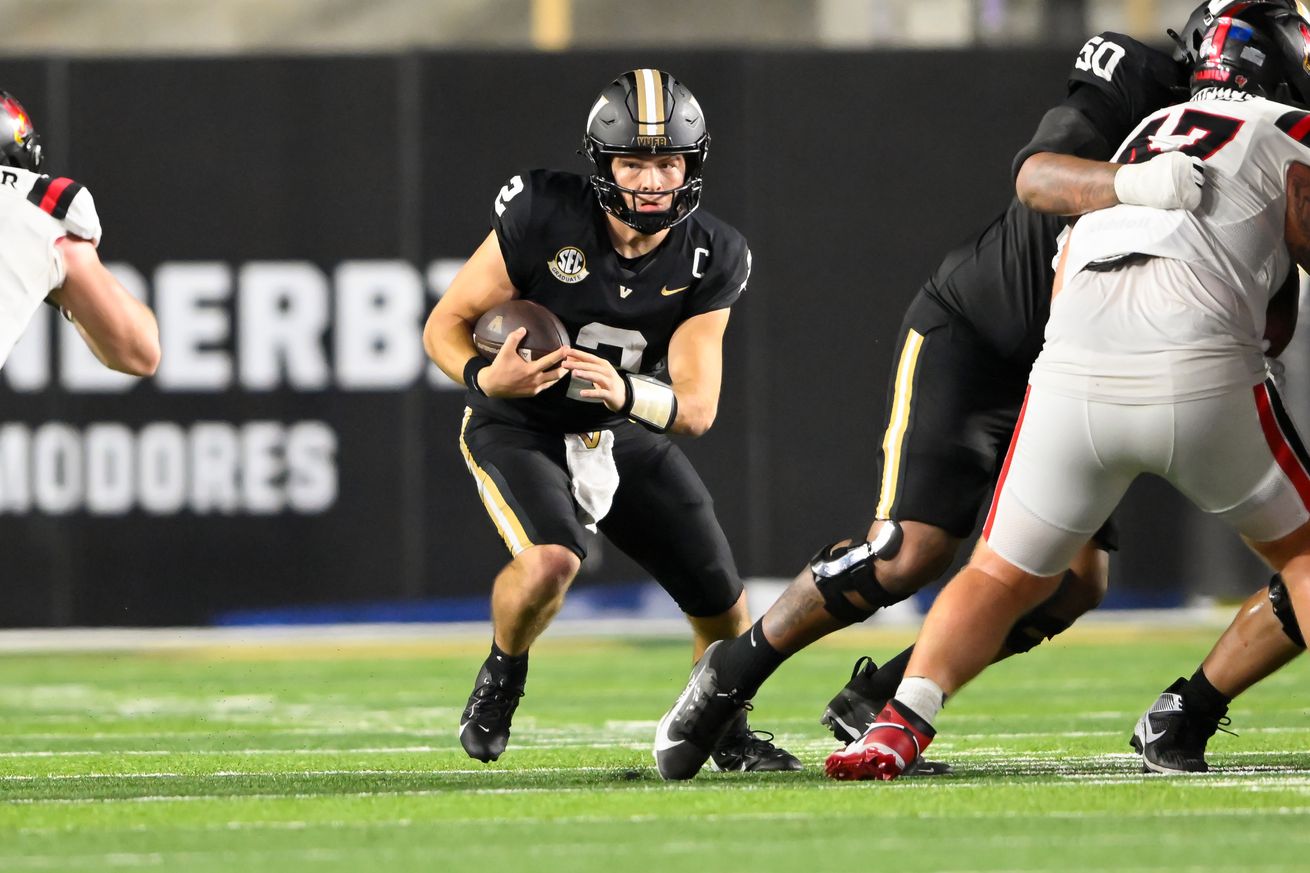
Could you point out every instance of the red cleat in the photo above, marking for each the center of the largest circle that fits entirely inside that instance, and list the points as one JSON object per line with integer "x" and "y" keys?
{"x": 891, "y": 744}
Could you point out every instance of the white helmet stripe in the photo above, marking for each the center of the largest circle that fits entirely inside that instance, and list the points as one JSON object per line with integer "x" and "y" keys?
{"x": 595, "y": 110}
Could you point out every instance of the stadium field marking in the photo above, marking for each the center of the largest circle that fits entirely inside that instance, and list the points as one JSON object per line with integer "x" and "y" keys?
{"x": 494, "y": 821}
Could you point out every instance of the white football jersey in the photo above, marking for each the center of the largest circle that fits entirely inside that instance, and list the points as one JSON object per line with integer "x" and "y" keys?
{"x": 1194, "y": 325}
{"x": 35, "y": 212}
{"x": 1236, "y": 234}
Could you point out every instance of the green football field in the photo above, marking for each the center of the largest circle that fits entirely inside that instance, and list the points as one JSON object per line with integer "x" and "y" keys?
{"x": 343, "y": 757}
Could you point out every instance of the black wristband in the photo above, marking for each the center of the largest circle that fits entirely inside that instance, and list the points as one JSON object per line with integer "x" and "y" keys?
{"x": 475, "y": 365}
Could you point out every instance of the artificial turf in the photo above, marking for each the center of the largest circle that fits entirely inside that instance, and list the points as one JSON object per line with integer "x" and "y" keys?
{"x": 343, "y": 756}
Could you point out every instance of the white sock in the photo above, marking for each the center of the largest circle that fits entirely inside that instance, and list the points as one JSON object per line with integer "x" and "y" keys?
{"x": 922, "y": 695}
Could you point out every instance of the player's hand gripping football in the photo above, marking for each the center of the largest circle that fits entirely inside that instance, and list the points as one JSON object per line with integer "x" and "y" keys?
{"x": 511, "y": 376}
{"x": 607, "y": 384}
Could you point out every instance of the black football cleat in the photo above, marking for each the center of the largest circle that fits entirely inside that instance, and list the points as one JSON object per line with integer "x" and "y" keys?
{"x": 1171, "y": 740}
{"x": 853, "y": 711}
{"x": 855, "y": 707}
{"x": 484, "y": 726}
{"x": 701, "y": 715}
{"x": 743, "y": 750}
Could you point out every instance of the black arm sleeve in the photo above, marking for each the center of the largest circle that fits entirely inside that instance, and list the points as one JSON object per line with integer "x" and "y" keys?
{"x": 1074, "y": 128}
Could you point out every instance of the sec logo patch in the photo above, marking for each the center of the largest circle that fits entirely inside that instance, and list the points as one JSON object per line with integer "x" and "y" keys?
{"x": 569, "y": 265}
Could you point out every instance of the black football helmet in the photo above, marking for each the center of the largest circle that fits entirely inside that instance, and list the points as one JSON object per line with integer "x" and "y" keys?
{"x": 20, "y": 146}
{"x": 1188, "y": 43}
{"x": 1289, "y": 32}
{"x": 1233, "y": 54}
{"x": 646, "y": 112}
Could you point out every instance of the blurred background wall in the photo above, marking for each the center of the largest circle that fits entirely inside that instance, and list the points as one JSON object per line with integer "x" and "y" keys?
{"x": 292, "y": 185}
{"x": 172, "y": 26}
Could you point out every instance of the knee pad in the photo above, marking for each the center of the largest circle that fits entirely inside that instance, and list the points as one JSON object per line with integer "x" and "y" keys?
{"x": 1032, "y": 630}
{"x": 844, "y": 568}
{"x": 1282, "y": 604}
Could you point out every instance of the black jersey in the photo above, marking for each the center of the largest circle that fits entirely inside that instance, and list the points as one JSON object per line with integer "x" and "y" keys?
{"x": 557, "y": 249}
{"x": 1000, "y": 281}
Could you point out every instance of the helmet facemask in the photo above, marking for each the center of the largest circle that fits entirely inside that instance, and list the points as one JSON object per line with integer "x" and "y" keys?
{"x": 611, "y": 195}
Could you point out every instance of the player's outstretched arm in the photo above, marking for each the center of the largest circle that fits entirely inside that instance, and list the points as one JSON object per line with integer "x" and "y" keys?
{"x": 696, "y": 369}
{"x": 120, "y": 330}
{"x": 1065, "y": 185}
{"x": 484, "y": 282}
{"x": 1059, "y": 184}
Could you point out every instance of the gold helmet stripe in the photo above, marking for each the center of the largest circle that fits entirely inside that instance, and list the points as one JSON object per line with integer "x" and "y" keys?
{"x": 650, "y": 102}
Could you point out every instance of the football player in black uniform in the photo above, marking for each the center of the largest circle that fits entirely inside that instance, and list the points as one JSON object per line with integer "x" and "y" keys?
{"x": 643, "y": 280}
{"x": 966, "y": 345}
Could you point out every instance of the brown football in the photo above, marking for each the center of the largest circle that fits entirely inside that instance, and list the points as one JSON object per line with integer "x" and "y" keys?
{"x": 545, "y": 334}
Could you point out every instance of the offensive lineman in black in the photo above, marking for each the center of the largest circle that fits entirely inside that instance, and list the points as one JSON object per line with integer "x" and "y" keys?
{"x": 966, "y": 345}
{"x": 643, "y": 281}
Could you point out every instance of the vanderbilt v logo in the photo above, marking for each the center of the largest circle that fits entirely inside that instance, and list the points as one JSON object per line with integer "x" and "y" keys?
{"x": 624, "y": 291}
{"x": 591, "y": 440}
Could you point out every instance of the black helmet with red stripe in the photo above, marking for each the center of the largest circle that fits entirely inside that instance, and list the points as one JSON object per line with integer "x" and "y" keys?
{"x": 20, "y": 146}
{"x": 1285, "y": 23}
{"x": 1203, "y": 17}
{"x": 1235, "y": 55}
{"x": 646, "y": 112}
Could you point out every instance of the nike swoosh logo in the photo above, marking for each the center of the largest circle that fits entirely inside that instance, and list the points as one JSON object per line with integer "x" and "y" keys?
{"x": 753, "y": 645}
{"x": 1151, "y": 735}
{"x": 664, "y": 742}
{"x": 669, "y": 292}
{"x": 850, "y": 731}
{"x": 624, "y": 292}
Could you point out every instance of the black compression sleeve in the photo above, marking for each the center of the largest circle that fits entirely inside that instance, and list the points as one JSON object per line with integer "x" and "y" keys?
{"x": 1075, "y": 127}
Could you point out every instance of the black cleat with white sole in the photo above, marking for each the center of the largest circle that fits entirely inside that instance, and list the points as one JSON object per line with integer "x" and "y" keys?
{"x": 690, "y": 731}
{"x": 1172, "y": 740}
{"x": 484, "y": 726}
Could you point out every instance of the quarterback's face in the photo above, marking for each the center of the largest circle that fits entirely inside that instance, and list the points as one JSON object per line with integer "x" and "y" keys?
{"x": 651, "y": 173}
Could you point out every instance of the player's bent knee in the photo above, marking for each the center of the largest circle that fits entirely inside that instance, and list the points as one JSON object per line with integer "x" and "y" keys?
{"x": 925, "y": 553}
{"x": 1085, "y": 584}
{"x": 548, "y": 569}
{"x": 844, "y": 569}
{"x": 1281, "y": 602}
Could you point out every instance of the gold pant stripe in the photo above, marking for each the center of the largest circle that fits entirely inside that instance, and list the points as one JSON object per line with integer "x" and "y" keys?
{"x": 511, "y": 531}
{"x": 893, "y": 440}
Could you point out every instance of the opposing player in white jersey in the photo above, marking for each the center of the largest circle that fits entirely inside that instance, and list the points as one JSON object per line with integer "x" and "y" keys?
{"x": 51, "y": 232}
{"x": 1152, "y": 364}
